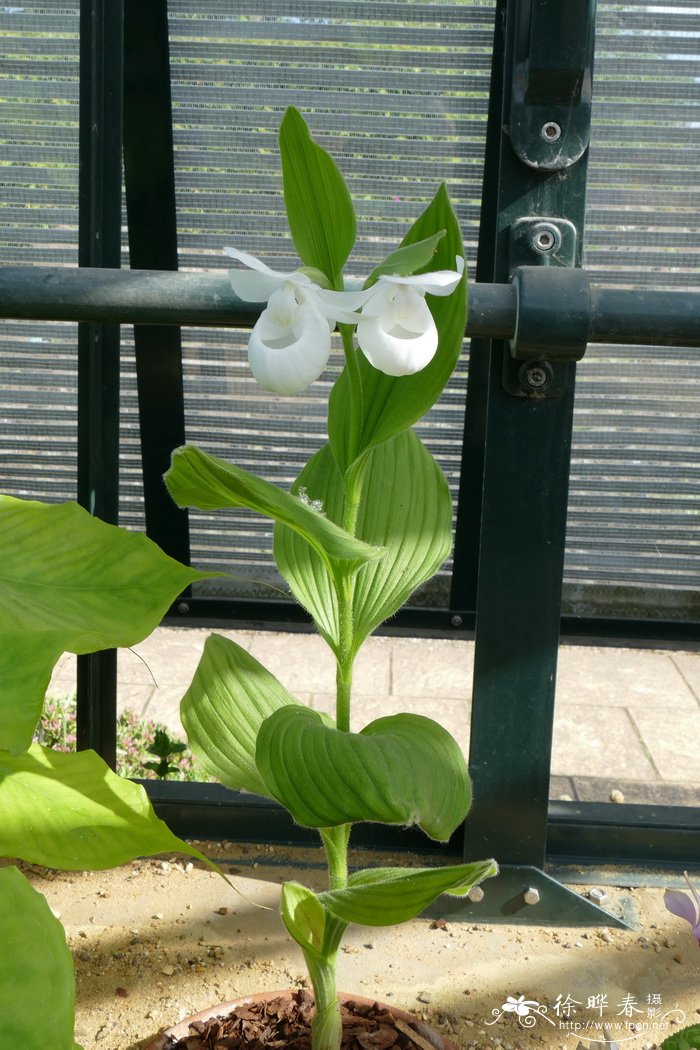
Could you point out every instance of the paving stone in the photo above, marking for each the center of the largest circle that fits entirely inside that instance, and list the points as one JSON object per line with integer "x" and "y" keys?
{"x": 63, "y": 678}
{"x": 134, "y": 697}
{"x": 689, "y": 666}
{"x": 452, "y": 714}
{"x": 588, "y": 744}
{"x": 437, "y": 667}
{"x": 302, "y": 662}
{"x": 169, "y": 655}
{"x": 673, "y": 740}
{"x": 639, "y": 792}
{"x": 619, "y": 677}
{"x": 559, "y": 786}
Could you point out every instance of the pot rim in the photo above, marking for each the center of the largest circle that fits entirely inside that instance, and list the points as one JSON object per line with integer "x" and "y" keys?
{"x": 180, "y": 1029}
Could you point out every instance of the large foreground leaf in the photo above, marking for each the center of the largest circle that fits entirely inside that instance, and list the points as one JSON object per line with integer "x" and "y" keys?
{"x": 230, "y": 696}
{"x": 391, "y": 404}
{"x": 406, "y": 509}
{"x": 386, "y": 896}
{"x": 319, "y": 209}
{"x": 403, "y": 769}
{"x": 37, "y": 982}
{"x": 196, "y": 479}
{"x": 69, "y": 582}
{"x": 70, "y": 811}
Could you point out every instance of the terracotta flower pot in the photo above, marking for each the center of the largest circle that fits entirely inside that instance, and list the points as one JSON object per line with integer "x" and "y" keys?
{"x": 427, "y": 1037}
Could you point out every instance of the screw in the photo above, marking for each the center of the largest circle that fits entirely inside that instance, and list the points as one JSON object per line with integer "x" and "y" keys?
{"x": 476, "y": 894}
{"x": 551, "y": 131}
{"x": 456, "y": 621}
{"x": 183, "y": 608}
{"x": 597, "y": 895}
{"x": 531, "y": 895}
{"x": 536, "y": 377}
{"x": 544, "y": 239}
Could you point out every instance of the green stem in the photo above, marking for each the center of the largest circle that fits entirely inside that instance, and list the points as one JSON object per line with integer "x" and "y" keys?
{"x": 335, "y": 843}
{"x": 326, "y": 1027}
{"x": 352, "y": 365}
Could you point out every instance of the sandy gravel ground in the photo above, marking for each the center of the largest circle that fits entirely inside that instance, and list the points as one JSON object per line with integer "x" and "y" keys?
{"x": 159, "y": 939}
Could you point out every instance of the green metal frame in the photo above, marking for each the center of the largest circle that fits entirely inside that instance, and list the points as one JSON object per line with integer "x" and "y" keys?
{"x": 517, "y": 435}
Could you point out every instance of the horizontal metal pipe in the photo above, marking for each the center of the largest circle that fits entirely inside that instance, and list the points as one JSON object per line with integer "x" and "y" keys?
{"x": 207, "y": 299}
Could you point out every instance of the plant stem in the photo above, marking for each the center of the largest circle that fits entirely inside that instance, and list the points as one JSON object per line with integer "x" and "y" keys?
{"x": 335, "y": 844}
{"x": 352, "y": 365}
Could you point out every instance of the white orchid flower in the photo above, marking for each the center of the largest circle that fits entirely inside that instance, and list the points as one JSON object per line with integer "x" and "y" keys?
{"x": 290, "y": 344}
{"x": 396, "y": 331}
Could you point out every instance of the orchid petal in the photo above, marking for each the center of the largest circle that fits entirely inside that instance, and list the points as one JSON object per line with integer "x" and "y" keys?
{"x": 439, "y": 282}
{"x": 339, "y": 306}
{"x": 680, "y": 904}
{"x": 398, "y": 352}
{"x": 287, "y": 358}
{"x": 258, "y": 286}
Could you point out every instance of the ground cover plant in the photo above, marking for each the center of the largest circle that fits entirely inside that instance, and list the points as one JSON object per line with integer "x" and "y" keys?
{"x": 145, "y": 748}
{"x": 368, "y": 520}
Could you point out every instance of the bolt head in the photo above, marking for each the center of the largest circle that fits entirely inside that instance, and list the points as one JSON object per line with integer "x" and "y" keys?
{"x": 531, "y": 895}
{"x": 476, "y": 894}
{"x": 551, "y": 131}
{"x": 183, "y": 608}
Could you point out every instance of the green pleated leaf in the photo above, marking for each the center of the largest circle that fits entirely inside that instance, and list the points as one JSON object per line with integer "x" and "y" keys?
{"x": 407, "y": 260}
{"x": 391, "y": 404}
{"x": 387, "y": 896}
{"x": 404, "y": 769}
{"x": 319, "y": 208}
{"x": 230, "y": 696}
{"x": 406, "y": 509}
{"x": 304, "y": 916}
{"x": 37, "y": 981}
{"x": 70, "y": 583}
{"x": 70, "y": 811}
{"x": 196, "y": 479}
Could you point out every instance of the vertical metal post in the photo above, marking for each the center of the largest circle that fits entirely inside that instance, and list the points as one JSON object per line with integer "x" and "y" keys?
{"x": 149, "y": 173}
{"x": 98, "y": 344}
{"x": 520, "y": 431}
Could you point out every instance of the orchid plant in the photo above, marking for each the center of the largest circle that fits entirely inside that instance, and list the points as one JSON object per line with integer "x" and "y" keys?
{"x": 368, "y": 520}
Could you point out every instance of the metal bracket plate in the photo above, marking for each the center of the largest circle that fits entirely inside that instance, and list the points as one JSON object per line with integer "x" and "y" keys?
{"x": 552, "y": 82}
{"x": 534, "y": 368}
{"x": 525, "y": 895}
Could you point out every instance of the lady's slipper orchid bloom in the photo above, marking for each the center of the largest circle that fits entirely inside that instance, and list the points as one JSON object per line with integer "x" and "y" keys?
{"x": 396, "y": 331}
{"x": 290, "y": 344}
{"x": 685, "y": 907}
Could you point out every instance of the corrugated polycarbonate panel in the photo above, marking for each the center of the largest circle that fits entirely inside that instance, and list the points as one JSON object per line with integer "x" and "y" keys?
{"x": 634, "y": 510}
{"x": 38, "y": 225}
{"x": 398, "y": 93}
{"x": 39, "y": 78}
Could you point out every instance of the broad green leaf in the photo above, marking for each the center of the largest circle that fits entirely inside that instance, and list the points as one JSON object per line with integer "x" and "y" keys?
{"x": 69, "y": 582}
{"x": 403, "y": 769}
{"x": 686, "y": 1039}
{"x": 70, "y": 811}
{"x": 319, "y": 209}
{"x": 407, "y": 260}
{"x": 304, "y": 916}
{"x": 406, "y": 509}
{"x": 387, "y": 896}
{"x": 230, "y": 696}
{"x": 37, "y": 980}
{"x": 196, "y": 479}
{"x": 392, "y": 404}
